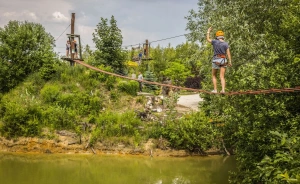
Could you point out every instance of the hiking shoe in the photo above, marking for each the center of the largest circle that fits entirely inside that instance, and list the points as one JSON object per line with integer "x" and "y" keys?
{"x": 222, "y": 91}
{"x": 214, "y": 91}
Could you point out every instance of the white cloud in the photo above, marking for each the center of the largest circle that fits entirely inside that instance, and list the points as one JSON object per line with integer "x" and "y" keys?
{"x": 24, "y": 15}
{"x": 59, "y": 17}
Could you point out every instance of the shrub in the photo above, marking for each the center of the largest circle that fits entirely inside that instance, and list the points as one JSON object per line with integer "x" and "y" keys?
{"x": 59, "y": 118}
{"x": 20, "y": 120}
{"x": 129, "y": 87}
{"x": 114, "y": 95}
{"x": 48, "y": 70}
{"x": 110, "y": 124}
{"x": 192, "y": 132}
{"x": 50, "y": 93}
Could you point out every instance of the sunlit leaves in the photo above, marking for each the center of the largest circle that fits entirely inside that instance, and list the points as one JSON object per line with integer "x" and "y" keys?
{"x": 264, "y": 40}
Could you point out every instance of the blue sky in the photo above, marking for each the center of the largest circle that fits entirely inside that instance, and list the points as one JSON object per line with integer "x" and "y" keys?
{"x": 137, "y": 19}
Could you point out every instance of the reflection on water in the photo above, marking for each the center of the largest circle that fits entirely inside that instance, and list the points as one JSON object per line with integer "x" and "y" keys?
{"x": 91, "y": 169}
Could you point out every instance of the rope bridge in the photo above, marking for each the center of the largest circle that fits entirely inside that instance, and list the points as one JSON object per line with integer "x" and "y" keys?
{"x": 252, "y": 92}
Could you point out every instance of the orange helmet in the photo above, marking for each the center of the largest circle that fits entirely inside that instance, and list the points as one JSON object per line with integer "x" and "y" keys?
{"x": 219, "y": 33}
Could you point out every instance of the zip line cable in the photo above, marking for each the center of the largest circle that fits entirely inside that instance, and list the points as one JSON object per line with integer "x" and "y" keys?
{"x": 169, "y": 38}
{"x": 62, "y": 32}
{"x": 124, "y": 46}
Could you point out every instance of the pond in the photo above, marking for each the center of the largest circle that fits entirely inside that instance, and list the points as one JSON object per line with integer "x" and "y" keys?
{"x": 92, "y": 169}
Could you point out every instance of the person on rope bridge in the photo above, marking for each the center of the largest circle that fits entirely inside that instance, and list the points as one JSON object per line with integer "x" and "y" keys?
{"x": 219, "y": 61}
{"x": 68, "y": 46}
{"x": 75, "y": 49}
{"x": 140, "y": 57}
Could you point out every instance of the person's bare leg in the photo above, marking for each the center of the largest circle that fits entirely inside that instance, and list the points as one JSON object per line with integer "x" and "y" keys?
{"x": 222, "y": 78}
{"x": 214, "y": 78}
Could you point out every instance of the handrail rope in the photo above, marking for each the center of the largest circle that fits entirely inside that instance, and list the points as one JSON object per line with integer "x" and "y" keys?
{"x": 253, "y": 92}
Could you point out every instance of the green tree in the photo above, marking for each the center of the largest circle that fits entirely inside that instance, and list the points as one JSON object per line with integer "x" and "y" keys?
{"x": 150, "y": 76}
{"x": 25, "y": 47}
{"x": 264, "y": 45}
{"x": 187, "y": 54}
{"x": 177, "y": 73}
{"x": 108, "y": 40}
{"x": 87, "y": 52}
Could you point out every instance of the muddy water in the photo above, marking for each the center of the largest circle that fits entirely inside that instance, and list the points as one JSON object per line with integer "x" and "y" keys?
{"x": 94, "y": 169}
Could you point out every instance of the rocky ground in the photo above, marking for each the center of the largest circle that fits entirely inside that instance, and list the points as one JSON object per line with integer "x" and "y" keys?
{"x": 68, "y": 143}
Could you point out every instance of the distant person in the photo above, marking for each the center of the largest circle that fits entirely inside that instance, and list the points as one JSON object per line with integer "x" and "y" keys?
{"x": 68, "y": 46}
{"x": 140, "y": 77}
{"x": 75, "y": 49}
{"x": 165, "y": 90}
{"x": 219, "y": 62}
{"x": 140, "y": 57}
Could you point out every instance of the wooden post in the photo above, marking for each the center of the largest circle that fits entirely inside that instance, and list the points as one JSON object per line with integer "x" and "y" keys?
{"x": 80, "y": 48}
{"x": 147, "y": 51}
{"x": 72, "y": 38}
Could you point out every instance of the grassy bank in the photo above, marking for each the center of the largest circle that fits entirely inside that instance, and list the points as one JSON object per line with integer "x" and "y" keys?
{"x": 98, "y": 109}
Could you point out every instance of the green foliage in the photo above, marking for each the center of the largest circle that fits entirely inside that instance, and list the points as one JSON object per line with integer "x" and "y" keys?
{"x": 48, "y": 70}
{"x": 177, "y": 73}
{"x": 115, "y": 95}
{"x": 88, "y": 54}
{"x": 25, "y": 47}
{"x": 111, "y": 124}
{"x": 150, "y": 76}
{"x": 83, "y": 103}
{"x": 20, "y": 117}
{"x": 170, "y": 101}
{"x": 129, "y": 87}
{"x": 108, "y": 40}
{"x": 186, "y": 55}
{"x": 59, "y": 118}
{"x": 50, "y": 93}
{"x": 264, "y": 52}
{"x": 109, "y": 80}
{"x": 193, "y": 132}
{"x": 284, "y": 166}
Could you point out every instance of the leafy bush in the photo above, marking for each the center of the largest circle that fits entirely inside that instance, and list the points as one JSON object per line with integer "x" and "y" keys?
{"x": 129, "y": 87}
{"x": 48, "y": 70}
{"x": 20, "y": 120}
{"x": 110, "y": 124}
{"x": 192, "y": 132}
{"x": 59, "y": 118}
{"x": 284, "y": 165}
{"x": 110, "y": 82}
{"x": 50, "y": 93}
{"x": 114, "y": 95}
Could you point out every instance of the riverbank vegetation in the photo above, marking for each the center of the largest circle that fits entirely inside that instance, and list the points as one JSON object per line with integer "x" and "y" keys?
{"x": 264, "y": 40}
{"x": 39, "y": 91}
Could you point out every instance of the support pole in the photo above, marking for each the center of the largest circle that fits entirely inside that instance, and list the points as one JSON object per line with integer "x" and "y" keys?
{"x": 147, "y": 47}
{"x": 72, "y": 38}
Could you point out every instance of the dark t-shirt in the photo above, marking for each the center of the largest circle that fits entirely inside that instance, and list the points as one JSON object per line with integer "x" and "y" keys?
{"x": 219, "y": 47}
